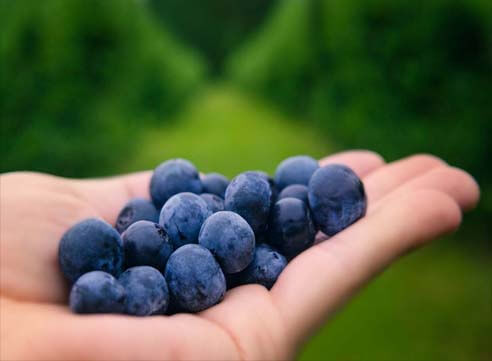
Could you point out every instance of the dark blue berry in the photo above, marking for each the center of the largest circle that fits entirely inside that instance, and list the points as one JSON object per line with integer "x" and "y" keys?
{"x": 194, "y": 278}
{"x": 265, "y": 268}
{"x": 271, "y": 182}
{"x": 172, "y": 177}
{"x": 295, "y": 170}
{"x": 182, "y": 217}
{"x": 230, "y": 239}
{"x": 249, "y": 195}
{"x": 214, "y": 202}
{"x": 90, "y": 245}
{"x": 137, "y": 209}
{"x": 336, "y": 197}
{"x": 291, "y": 228}
{"x": 215, "y": 183}
{"x": 146, "y": 291}
{"x": 299, "y": 191}
{"x": 97, "y": 292}
{"x": 146, "y": 244}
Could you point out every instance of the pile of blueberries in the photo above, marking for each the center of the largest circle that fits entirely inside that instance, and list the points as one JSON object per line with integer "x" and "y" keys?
{"x": 198, "y": 237}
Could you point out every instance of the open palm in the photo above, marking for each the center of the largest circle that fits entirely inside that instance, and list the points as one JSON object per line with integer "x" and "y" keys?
{"x": 411, "y": 201}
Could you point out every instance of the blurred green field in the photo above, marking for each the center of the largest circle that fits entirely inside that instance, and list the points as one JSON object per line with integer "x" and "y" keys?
{"x": 223, "y": 130}
{"x": 433, "y": 305}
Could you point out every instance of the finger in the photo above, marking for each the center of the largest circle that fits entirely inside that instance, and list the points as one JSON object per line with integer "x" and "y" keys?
{"x": 418, "y": 172}
{"x": 453, "y": 181}
{"x": 384, "y": 180}
{"x": 109, "y": 195}
{"x": 319, "y": 280}
{"x": 362, "y": 162}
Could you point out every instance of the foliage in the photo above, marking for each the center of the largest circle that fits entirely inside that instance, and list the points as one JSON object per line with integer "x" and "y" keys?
{"x": 213, "y": 26}
{"x": 395, "y": 76}
{"x": 79, "y": 77}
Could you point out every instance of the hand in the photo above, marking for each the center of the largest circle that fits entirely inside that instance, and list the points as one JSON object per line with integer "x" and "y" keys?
{"x": 411, "y": 202}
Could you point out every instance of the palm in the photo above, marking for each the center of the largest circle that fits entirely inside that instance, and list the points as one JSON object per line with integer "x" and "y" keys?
{"x": 410, "y": 202}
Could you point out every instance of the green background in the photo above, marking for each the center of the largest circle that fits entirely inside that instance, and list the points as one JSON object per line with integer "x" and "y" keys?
{"x": 93, "y": 87}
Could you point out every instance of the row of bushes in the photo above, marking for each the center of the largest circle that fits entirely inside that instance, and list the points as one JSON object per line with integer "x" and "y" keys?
{"x": 80, "y": 77}
{"x": 214, "y": 27}
{"x": 395, "y": 76}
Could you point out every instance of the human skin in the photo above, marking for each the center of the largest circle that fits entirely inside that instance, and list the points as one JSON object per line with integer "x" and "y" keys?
{"x": 410, "y": 202}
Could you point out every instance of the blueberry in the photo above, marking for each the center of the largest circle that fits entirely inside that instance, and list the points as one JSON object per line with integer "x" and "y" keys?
{"x": 230, "y": 239}
{"x": 295, "y": 170}
{"x": 146, "y": 291}
{"x": 195, "y": 279}
{"x": 299, "y": 191}
{"x": 265, "y": 268}
{"x": 146, "y": 244}
{"x": 137, "y": 209}
{"x": 262, "y": 234}
{"x": 172, "y": 177}
{"x": 97, "y": 292}
{"x": 249, "y": 195}
{"x": 214, "y": 202}
{"x": 271, "y": 182}
{"x": 215, "y": 183}
{"x": 336, "y": 197}
{"x": 90, "y": 245}
{"x": 291, "y": 227}
{"x": 182, "y": 217}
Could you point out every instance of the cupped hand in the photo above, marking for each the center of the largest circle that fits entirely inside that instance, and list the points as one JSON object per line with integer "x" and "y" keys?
{"x": 410, "y": 202}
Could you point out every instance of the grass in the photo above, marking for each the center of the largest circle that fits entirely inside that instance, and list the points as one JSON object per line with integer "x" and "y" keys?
{"x": 434, "y": 305}
{"x": 225, "y": 132}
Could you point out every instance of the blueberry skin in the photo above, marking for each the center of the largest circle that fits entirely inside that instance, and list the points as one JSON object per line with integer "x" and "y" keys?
{"x": 146, "y": 291}
{"x": 182, "y": 217}
{"x": 249, "y": 195}
{"x": 336, "y": 197}
{"x": 299, "y": 191}
{"x": 172, "y": 177}
{"x": 195, "y": 279}
{"x": 265, "y": 268}
{"x": 90, "y": 245}
{"x": 295, "y": 170}
{"x": 262, "y": 234}
{"x": 291, "y": 227}
{"x": 146, "y": 243}
{"x": 97, "y": 292}
{"x": 215, "y": 183}
{"x": 230, "y": 239}
{"x": 214, "y": 202}
{"x": 137, "y": 209}
{"x": 271, "y": 182}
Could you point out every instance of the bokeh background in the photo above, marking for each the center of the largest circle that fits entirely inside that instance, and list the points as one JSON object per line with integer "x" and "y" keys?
{"x": 97, "y": 87}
